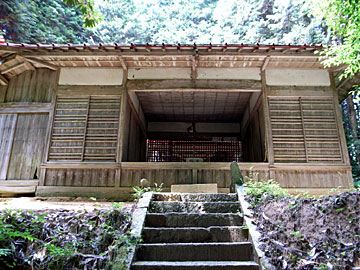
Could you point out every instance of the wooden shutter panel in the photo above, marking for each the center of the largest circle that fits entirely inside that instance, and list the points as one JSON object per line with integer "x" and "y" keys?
{"x": 69, "y": 123}
{"x": 321, "y": 133}
{"x": 102, "y": 129}
{"x": 304, "y": 129}
{"x": 85, "y": 129}
{"x": 287, "y": 130}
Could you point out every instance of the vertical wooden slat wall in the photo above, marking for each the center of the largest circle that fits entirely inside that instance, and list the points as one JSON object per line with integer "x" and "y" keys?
{"x": 23, "y": 130}
{"x": 85, "y": 129}
{"x": 304, "y": 130}
{"x": 27, "y": 146}
{"x": 32, "y": 86}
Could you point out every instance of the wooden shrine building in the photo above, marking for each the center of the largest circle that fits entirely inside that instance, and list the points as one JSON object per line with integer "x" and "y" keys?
{"x": 94, "y": 120}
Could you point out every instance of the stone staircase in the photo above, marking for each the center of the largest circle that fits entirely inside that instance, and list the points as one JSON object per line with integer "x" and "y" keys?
{"x": 194, "y": 231}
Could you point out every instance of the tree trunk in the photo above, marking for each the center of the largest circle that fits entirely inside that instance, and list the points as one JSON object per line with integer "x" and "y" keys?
{"x": 353, "y": 123}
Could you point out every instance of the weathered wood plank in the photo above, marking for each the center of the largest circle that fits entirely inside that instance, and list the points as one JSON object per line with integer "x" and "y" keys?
{"x": 19, "y": 183}
{"x": 28, "y": 146}
{"x": 4, "y": 190}
{"x": 79, "y": 90}
{"x": 32, "y": 86}
{"x": 192, "y": 84}
{"x": 21, "y": 107}
{"x": 121, "y": 194}
{"x": 7, "y": 132}
{"x": 80, "y": 177}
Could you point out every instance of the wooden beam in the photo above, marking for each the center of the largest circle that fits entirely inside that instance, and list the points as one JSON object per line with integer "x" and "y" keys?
{"x": 192, "y": 84}
{"x": 12, "y": 68}
{"x": 198, "y": 90}
{"x": 11, "y": 191}
{"x": 78, "y": 90}
{"x": 343, "y": 82}
{"x": 123, "y": 63}
{"x": 80, "y": 165}
{"x": 268, "y": 131}
{"x": 31, "y": 107}
{"x": 265, "y": 63}
{"x": 42, "y": 63}
{"x": 19, "y": 183}
{"x": 3, "y": 80}
{"x": 194, "y": 64}
{"x": 120, "y": 194}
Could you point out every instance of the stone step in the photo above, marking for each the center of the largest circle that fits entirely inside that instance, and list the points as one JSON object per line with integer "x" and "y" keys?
{"x": 195, "y": 234}
{"x": 192, "y": 220}
{"x": 195, "y": 197}
{"x": 191, "y": 265}
{"x": 194, "y": 207}
{"x": 233, "y": 251}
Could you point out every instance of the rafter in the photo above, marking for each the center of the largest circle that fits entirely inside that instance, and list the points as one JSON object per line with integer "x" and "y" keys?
{"x": 3, "y": 80}
{"x": 42, "y": 63}
{"x": 123, "y": 63}
{"x": 12, "y": 68}
{"x": 265, "y": 63}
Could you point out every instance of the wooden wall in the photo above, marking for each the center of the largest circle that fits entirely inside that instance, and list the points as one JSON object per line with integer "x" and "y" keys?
{"x": 134, "y": 142}
{"x": 80, "y": 177}
{"x": 28, "y": 146}
{"x": 32, "y": 86}
{"x": 170, "y": 173}
{"x": 254, "y": 140}
{"x": 24, "y": 114}
{"x": 7, "y": 131}
{"x": 305, "y": 126}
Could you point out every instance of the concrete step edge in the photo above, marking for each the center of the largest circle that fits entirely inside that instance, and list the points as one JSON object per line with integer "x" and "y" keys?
{"x": 195, "y": 214}
{"x": 246, "y": 243}
{"x": 193, "y": 228}
{"x": 195, "y": 197}
{"x": 195, "y": 263}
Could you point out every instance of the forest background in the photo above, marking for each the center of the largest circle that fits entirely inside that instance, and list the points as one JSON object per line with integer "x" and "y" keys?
{"x": 326, "y": 22}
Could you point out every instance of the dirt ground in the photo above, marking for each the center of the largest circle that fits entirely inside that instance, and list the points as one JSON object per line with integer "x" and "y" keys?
{"x": 310, "y": 233}
{"x": 62, "y": 233}
{"x": 67, "y": 203}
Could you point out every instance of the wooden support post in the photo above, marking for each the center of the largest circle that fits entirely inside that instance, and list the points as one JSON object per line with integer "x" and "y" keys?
{"x": 49, "y": 130}
{"x": 121, "y": 138}
{"x": 194, "y": 176}
{"x": 195, "y": 61}
{"x": 340, "y": 127}
{"x": 268, "y": 132}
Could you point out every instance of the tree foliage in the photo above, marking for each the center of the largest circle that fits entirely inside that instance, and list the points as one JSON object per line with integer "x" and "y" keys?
{"x": 86, "y": 7}
{"x": 205, "y": 21}
{"x": 41, "y": 21}
{"x": 343, "y": 19}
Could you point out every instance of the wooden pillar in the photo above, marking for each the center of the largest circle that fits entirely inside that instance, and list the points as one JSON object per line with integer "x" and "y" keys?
{"x": 268, "y": 134}
{"x": 120, "y": 142}
{"x": 340, "y": 127}
{"x": 49, "y": 131}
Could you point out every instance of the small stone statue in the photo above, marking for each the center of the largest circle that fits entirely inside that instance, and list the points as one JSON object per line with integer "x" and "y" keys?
{"x": 236, "y": 176}
{"x": 144, "y": 183}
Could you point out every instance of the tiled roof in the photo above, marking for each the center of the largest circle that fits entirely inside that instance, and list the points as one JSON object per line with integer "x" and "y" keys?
{"x": 163, "y": 47}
